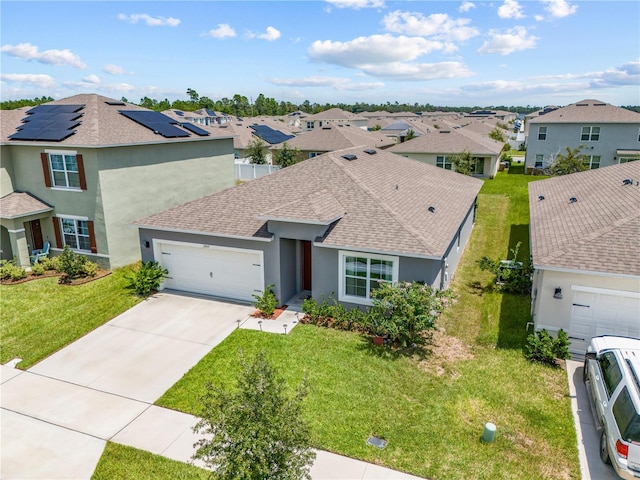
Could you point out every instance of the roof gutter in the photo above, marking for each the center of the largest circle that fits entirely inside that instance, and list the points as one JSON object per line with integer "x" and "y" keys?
{"x": 196, "y": 232}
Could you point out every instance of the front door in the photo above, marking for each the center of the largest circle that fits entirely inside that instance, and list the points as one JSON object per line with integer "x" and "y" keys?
{"x": 306, "y": 265}
{"x": 36, "y": 234}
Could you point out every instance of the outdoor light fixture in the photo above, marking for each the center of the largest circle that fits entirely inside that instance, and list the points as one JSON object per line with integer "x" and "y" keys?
{"x": 285, "y": 328}
{"x": 260, "y": 324}
{"x": 558, "y": 293}
{"x": 146, "y": 244}
{"x": 238, "y": 321}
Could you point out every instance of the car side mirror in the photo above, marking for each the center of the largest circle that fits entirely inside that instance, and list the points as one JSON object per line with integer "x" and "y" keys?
{"x": 590, "y": 355}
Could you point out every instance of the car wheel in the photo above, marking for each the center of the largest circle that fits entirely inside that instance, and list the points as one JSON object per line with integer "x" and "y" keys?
{"x": 604, "y": 450}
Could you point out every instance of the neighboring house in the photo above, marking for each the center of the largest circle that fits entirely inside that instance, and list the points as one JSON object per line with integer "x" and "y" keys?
{"x": 498, "y": 114}
{"x": 333, "y": 225}
{"x": 585, "y": 245}
{"x": 333, "y": 116}
{"x": 76, "y": 172}
{"x": 337, "y": 137}
{"x": 203, "y": 116}
{"x": 608, "y": 134}
{"x": 438, "y": 147}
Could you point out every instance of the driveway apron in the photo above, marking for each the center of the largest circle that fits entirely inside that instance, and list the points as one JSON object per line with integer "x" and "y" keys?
{"x": 57, "y": 416}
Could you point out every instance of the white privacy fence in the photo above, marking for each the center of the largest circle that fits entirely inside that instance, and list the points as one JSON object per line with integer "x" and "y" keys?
{"x": 249, "y": 171}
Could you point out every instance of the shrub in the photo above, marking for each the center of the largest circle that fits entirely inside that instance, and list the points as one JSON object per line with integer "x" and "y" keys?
{"x": 71, "y": 265}
{"x": 334, "y": 315}
{"x": 37, "y": 269}
{"x": 50, "y": 263}
{"x": 407, "y": 311}
{"x": 90, "y": 269}
{"x": 148, "y": 278}
{"x": 10, "y": 271}
{"x": 511, "y": 276}
{"x": 266, "y": 302}
{"x": 543, "y": 348}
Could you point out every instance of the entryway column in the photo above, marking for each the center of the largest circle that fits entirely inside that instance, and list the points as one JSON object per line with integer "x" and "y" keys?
{"x": 19, "y": 247}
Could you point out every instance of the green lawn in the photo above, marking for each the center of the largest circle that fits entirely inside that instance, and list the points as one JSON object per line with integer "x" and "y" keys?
{"x": 40, "y": 317}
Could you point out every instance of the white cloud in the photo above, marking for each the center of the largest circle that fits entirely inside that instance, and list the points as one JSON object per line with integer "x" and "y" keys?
{"x": 510, "y": 9}
{"x": 625, "y": 75}
{"x": 149, "y": 20}
{"x": 270, "y": 35}
{"x": 224, "y": 30}
{"x": 327, "y": 82}
{"x": 466, "y": 6}
{"x": 418, "y": 71}
{"x": 27, "y": 51}
{"x": 560, "y": 8}
{"x": 437, "y": 25}
{"x": 356, "y": 4}
{"x": 539, "y": 18}
{"x": 36, "y": 79}
{"x": 513, "y": 40}
{"x": 93, "y": 79}
{"x": 114, "y": 69}
{"x": 376, "y": 49}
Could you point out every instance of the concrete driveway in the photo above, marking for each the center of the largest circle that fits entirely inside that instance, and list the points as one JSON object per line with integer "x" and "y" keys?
{"x": 591, "y": 467}
{"x": 57, "y": 416}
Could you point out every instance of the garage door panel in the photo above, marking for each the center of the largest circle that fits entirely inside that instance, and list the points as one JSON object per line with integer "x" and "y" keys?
{"x": 219, "y": 271}
{"x": 594, "y": 314}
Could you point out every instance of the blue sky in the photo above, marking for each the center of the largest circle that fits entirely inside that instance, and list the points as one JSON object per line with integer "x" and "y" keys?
{"x": 455, "y": 53}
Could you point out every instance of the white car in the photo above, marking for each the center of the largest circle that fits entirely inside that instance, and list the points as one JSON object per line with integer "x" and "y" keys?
{"x": 612, "y": 378}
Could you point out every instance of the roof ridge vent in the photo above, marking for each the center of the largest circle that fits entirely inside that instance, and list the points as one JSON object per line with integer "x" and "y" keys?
{"x": 370, "y": 151}
{"x": 349, "y": 156}
{"x": 627, "y": 181}
{"x": 573, "y": 200}
{"x": 445, "y": 131}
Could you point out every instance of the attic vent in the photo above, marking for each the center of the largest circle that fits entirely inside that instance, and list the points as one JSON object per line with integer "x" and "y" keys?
{"x": 541, "y": 197}
{"x": 431, "y": 208}
{"x": 370, "y": 151}
{"x": 599, "y": 104}
{"x": 582, "y": 104}
{"x": 326, "y": 128}
{"x": 573, "y": 200}
{"x": 445, "y": 131}
{"x": 349, "y": 156}
{"x": 627, "y": 181}
{"x": 114, "y": 102}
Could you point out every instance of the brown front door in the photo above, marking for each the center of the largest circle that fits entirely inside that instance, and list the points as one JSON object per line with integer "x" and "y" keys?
{"x": 306, "y": 265}
{"x": 36, "y": 234}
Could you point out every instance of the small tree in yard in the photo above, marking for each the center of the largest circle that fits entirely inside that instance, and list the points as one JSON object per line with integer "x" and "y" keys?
{"x": 511, "y": 276}
{"x": 256, "y": 152}
{"x": 257, "y": 431}
{"x": 463, "y": 163}
{"x": 286, "y": 156}
{"x": 148, "y": 278}
{"x": 571, "y": 162}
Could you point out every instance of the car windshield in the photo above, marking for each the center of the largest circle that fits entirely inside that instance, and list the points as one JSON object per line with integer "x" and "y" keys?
{"x": 627, "y": 417}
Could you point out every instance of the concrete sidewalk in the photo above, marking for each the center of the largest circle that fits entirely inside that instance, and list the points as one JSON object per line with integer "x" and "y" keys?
{"x": 56, "y": 418}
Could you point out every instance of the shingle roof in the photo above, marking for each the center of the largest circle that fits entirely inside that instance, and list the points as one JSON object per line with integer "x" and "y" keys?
{"x": 21, "y": 204}
{"x": 600, "y": 232}
{"x": 385, "y": 198}
{"x": 449, "y": 141}
{"x": 334, "y": 114}
{"x": 101, "y": 125}
{"x": 335, "y": 137}
{"x": 588, "y": 111}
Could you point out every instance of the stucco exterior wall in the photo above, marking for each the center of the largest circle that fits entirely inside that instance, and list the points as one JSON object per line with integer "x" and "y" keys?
{"x": 6, "y": 171}
{"x": 490, "y": 162}
{"x": 556, "y": 313}
{"x": 141, "y": 180}
{"x": 560, "y": 136}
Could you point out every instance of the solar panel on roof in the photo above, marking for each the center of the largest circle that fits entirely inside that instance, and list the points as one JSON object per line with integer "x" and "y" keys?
{"x": 270, "y": 135}
{"x": 156, "y": 121}
{"x": 195, "y": 129}
{"x": 179, "y": 113}
{"x": 51, "y": 123}
{"x": 211, "y": 113}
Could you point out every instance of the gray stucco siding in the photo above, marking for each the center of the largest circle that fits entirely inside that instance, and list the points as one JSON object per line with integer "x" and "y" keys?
{"x": 297, "y": 231}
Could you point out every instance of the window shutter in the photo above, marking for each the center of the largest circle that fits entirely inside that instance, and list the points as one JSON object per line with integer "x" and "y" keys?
{"x": 92, "y": 237}
{"x": 56, "y": 229}
{"x": 45, "y": 168}
{"x": 82, "y": 177}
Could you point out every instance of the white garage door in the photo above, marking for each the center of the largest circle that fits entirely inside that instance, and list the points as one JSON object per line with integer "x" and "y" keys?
{"x": 597, "y": 311}
{"x": 219, "y": 271}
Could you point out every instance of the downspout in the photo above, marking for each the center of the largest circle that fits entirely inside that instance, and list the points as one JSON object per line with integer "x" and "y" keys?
{"x": 443, "y": 267}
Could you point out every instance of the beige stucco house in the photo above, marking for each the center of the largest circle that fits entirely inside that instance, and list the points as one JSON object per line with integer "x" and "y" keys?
{"x": 77, "y": 171}
{"x": 585, "y": 244}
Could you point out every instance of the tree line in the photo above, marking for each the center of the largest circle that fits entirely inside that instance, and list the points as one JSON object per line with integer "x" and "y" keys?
{"x": 241, "y": 106}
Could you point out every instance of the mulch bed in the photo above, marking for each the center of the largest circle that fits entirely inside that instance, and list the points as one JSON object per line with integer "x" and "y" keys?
{"x": 276, "y": 313}
{"x": 49, "y": 274}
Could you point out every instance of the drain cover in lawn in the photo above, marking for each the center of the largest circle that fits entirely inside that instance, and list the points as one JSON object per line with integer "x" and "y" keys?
{"x": 377, "y": 442}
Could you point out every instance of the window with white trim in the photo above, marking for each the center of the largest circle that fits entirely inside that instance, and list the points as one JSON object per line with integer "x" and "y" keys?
{"x": 539, "y": 161}
{"x": 314, "y": 154}
{"x": 360, "y": 273}
{"x": 628, "y": 159}
{"x": 590, "y": 134}
{"x": 76, "y": 233}
{"x": 310, "y": 125}
{"x": 478, "y": 166}
{"x": 542, "y": 133}
{"x": 444, "y": 162}
{"x": 64, "y": 170}
{"x": 592, "y": 161}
